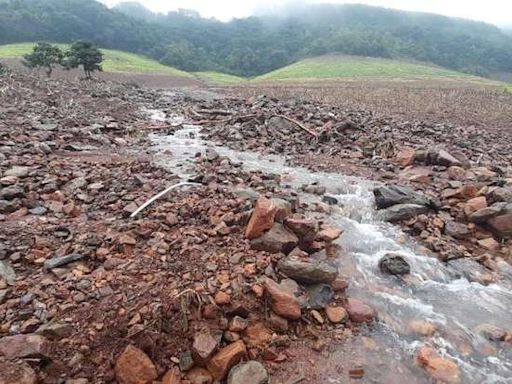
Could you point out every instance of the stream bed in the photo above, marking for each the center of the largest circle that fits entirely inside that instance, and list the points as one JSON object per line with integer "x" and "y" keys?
{"x": 434, "y": 292}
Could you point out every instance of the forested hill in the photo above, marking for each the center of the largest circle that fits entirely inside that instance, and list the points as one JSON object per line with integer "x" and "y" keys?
{"x": 260, "y": 44}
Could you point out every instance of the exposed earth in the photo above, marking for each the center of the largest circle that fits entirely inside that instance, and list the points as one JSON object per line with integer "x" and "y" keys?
{"x": 269, "y": 267}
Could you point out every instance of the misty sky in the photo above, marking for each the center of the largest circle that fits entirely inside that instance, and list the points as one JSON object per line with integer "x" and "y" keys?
{"x": 493, "y": 11}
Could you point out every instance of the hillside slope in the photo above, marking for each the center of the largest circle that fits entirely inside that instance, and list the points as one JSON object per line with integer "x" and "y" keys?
{"x": 256, "y": 45}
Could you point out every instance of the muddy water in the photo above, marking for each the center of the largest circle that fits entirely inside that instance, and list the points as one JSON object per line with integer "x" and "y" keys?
{"x": 434, "y": 292}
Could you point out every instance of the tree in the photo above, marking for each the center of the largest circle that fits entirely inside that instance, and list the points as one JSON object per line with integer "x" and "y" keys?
{"x": 44, "y": 55}
{"x": 86, "y": 55}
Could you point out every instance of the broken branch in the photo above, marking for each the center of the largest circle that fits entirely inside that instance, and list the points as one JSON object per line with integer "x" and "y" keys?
{"x": 298, "y": 124}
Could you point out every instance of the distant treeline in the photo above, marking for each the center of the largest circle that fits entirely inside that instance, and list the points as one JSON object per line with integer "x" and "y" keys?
{"x": 256, "y": 45}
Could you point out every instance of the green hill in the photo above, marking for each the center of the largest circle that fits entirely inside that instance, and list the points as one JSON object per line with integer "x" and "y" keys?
{"x": 218, "y": 78}
{"x": 354, "y": 67}
{"x": 114, "y": 61}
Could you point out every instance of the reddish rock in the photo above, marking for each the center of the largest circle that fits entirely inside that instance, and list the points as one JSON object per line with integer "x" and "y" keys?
{"x": 422, "y": 328}
{"x": 336, "y": 314}
{"x": 305, "y": 229}
{"x": 222, "y": 298}
{"x": 501, "y": 225}
{"x": 134, "y": 367}
{"x": 405, "y": 156}
{"x": 329, "y": 234}
{"x": 489, "y": 244}
{"x": 283, "y": 302}
{"x": 283, "y": 209}
{"x": 225, "y": 359}
{"x": 22, "y": 346}
{"x": 417, "y": 174}
{"x": 359, "y": 312}
{"x": 475, "y": 204}
{"x": 203, "y": 347}
{"x": 171, "y": 377}
{"x": 16, "y": 372}
{"x": 257, "y": 335}
{"x": 262, "y": 218}
{"x": 456, "y": 173}
{"x": 199, "y": 376}
{"x": 439, "y": 368}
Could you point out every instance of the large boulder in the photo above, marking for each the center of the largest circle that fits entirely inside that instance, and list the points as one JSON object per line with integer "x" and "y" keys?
{"x": 388, "y": 196}
{"x": 277, "y": 239}
{"x": 308, "y": 271}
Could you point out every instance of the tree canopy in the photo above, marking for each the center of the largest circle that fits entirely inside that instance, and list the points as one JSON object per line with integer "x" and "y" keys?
{"x": 84, "y": 54}
{"x": 256, "y": 45}
{"x": 44, "y": 55}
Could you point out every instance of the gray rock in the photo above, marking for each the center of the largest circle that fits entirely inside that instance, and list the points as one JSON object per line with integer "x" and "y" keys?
{"x": 11, "y": 192}
{"x": 393, "y": 264}
{"x": 319, "y": 296}
{"x": 55, "y": 331}
{"x": 308, "y": 271}
{"x": 62, "y": 260}
{"x": 18, "y": 171}
{"x": 456, "y": 230}
{"x": 38, "y": 211}
{"x": 186, "y": 362}
{"x": 44, "y": 126}
{"x": 251, "y": 372}
{"x": 442, "y": 157}
{"x": 484, "y": 214}
{"x": 7, "y": 272}
{"x": 277, "y": 239}
{"x": 3, "y": 295}
{"x": 403, "y": 212}
{"x": 7, "y": 206}
{"x": 45, "y": 148}
{"x": 389, "y": 196}
{"x": 468, "y": 268}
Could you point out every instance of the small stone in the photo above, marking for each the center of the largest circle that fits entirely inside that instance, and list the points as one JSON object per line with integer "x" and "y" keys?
{"x": 336, "y": 315}
{"x": 55, "y": 330}
{"x": 474, "y": 205}
{"x": 422, "y": 328}
{"x": 238, "y": 324}
{"x": 329, "y": 234}
{"x": 308, "y": 271}
{"x": 172, "y": 376}
{"x": 222, "y": 298}
{"x": 356, "y": 372}
{"x": 359, "y": 312}
{"x": 405, "y": 156}
{"x": 439, "y": 368}
{"x": 199, "y": 376}
{"x": 305, "y": 229}
{"x": 319, "y": 295}
{"x": 317, "y": 316}
{"x": 277, "y": 239}
{"x": 203, "y": 347}
{"x": 277, "y": 323}
{"x": 283, "y": 302}
{"x": 186, "y": 361}
{"x": 126, "y": 239}
{"x": 134, "y": 367}
{"x": 489, "y": 244}
{"x": 257, "y": 335}
{"x": 220, "y": 365}
{"x": 251, "y": 372}
{"x": 17, "y": 172}
{"x": 394, "y": 265}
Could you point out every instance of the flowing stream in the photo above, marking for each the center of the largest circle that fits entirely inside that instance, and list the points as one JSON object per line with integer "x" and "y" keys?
{"x": 434, "y": 292}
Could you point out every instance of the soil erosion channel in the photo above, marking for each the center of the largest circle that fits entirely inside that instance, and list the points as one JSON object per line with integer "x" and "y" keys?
{"x": 434, "y": 292}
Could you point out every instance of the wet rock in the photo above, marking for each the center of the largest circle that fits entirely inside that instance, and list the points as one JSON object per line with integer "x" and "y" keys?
{"x": 24, "y": 346}
{"x": 359, "y": 312}
{"x": 491, "y": 332}
{"x": 314, "y": 189}
{"x": 220, "y": 365}
{"x": 438, "y": 367}
{"x": 251, "y": 372}
{"x": 319, "y": 296}
{"x": 134, "y": 367}
{"x": 204, "y": 346}
{"x": 329, "y": 234}
{"x": 456, "y": 230}
{"x": 305, "y": 229}
{"x": 7, "y": 272}
{"x": 469, "y": 268}
{"x": 262, "y": 218}
{"x": 56, "y": 262}
{"x": 331, "y": 200}
{"x": 394, "y": 264}
{"x": 401, "y": 212}
{"x": 16, "y": 372}
{"x": 389, "y": 196}
{"x": 199, "y": 376}
{"x": 283, "y": 302}
{"x": 336, "y": 315}
{"x": 11, "y": 192}
{"x": 308, "y": 271}
{"x": 422, "y": 328}
{"x": 277, "y": 239}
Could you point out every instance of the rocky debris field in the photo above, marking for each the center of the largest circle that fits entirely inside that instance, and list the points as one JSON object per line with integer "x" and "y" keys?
{"x": 224, "y": 281}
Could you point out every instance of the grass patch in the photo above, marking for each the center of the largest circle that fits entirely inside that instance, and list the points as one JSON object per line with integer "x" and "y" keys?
{"x": 352, "y": 67}
{"x": 219, "y": 78}
{"x": 114, "y": 61}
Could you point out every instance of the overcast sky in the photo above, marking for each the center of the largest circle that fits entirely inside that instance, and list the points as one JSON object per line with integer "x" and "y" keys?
{"x": 493, "y": 11}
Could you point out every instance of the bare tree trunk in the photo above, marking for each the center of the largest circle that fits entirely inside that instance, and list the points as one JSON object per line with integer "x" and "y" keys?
{"x": 49, "y": 71}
